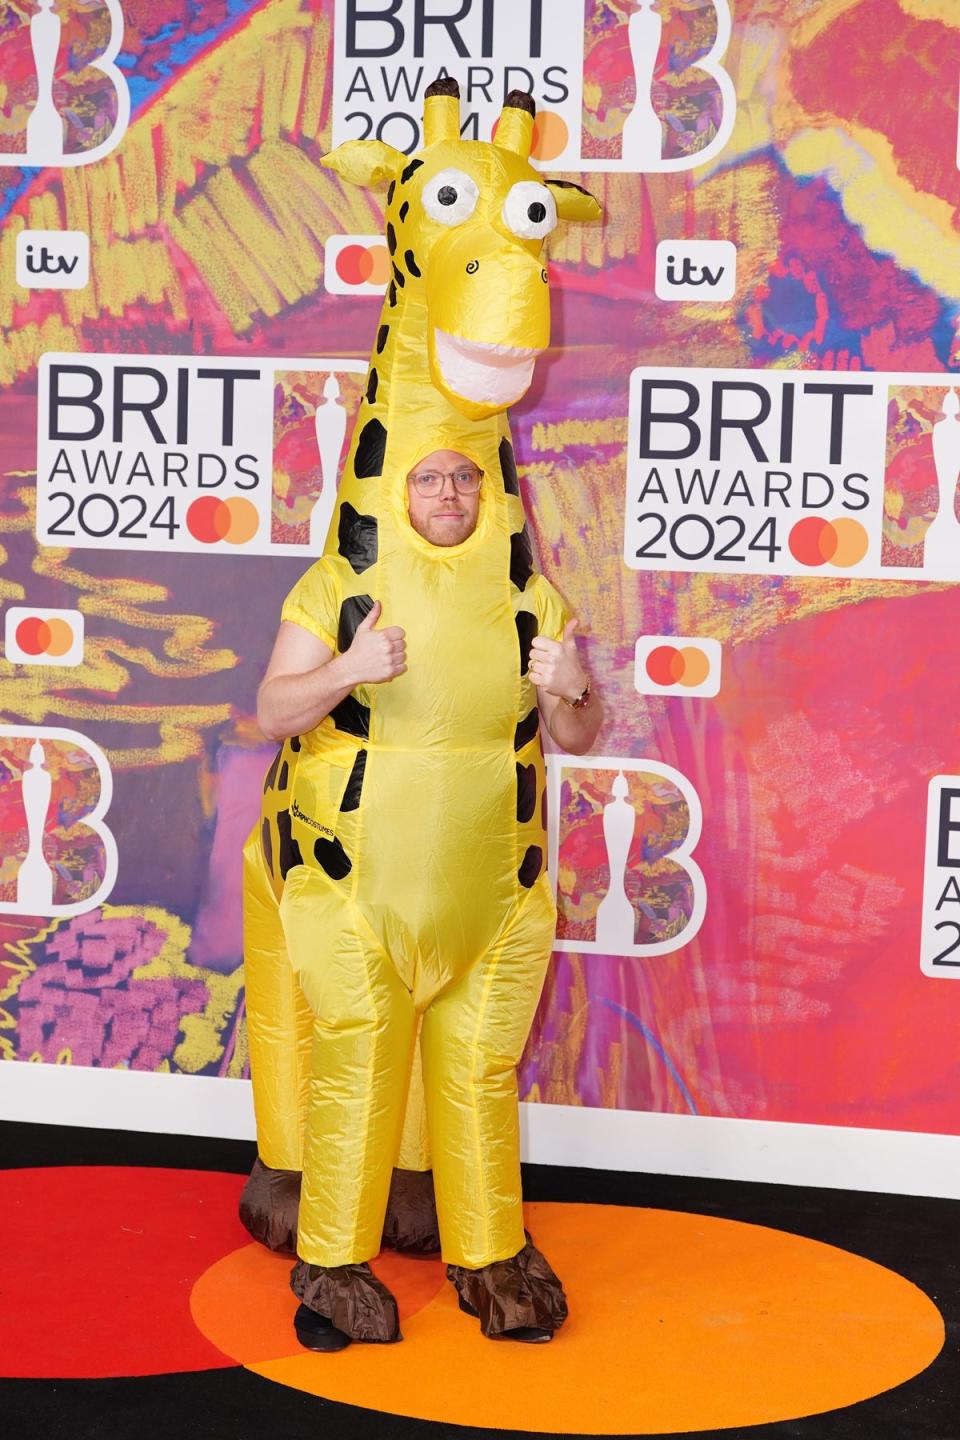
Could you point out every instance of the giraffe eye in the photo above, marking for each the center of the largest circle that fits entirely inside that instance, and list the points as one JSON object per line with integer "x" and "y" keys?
{"x": 530, "y": 210}
{"x": 450, "y": 197}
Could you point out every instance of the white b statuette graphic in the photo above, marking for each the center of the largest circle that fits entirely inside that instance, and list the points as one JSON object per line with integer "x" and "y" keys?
{"x": 642, "y": 134}
{"x": 941, "y": 549}
{"x": 35, "y": 893}
{"x": 45, "y": 126}
{"x": 331, "y": 426}
{"x": 47, "y": 136}
{"x": 615, "y": 917}
{"x": 616, "y": 920}
{"x": 35, "y": 878}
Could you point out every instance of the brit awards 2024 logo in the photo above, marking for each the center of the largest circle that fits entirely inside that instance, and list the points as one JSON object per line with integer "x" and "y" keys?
{"x": 191, "y": 453}
{"x": 60, "y": 858}
{"x": 794, "y": 473}
{"x": 620, "y": 846}
{"x": 940, "y": 932}
{"x": 66, "y": 102}
{"x": 635, "y": 85}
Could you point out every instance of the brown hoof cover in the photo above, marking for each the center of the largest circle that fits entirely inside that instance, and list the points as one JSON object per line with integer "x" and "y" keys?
{"x": 526, "y": 1334}
{"x": 516, "y": 1299}
{"x": 349, "y": 1297}
{"x": 269, "y": 1206}
{"x": 410, "y": 1226}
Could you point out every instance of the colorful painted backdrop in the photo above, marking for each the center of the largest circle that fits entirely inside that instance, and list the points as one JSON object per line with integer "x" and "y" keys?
{"x": 801, "y": 997}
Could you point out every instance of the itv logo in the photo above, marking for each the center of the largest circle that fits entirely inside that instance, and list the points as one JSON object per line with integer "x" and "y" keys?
{"x": 53, "y": 259}
{"x": 696, "y": 270}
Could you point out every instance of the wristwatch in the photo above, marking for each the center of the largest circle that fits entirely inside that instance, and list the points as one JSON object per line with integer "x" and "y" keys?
{"x": 581, "y": 699}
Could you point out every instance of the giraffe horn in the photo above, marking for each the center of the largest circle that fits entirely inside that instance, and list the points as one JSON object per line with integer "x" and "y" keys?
{"x": 441, "y": 110}
{"x": 515, "y": 128}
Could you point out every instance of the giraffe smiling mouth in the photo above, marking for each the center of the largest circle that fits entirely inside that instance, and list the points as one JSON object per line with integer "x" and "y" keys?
{"x": 484, "y": 374}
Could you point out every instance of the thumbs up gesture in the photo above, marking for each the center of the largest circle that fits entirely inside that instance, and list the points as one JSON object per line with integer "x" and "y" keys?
{"x": 555, "y": 666}
{"x": 376, "y": 656}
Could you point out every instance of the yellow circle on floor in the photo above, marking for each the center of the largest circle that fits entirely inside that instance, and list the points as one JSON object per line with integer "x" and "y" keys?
{"x": 678, "y": 1322}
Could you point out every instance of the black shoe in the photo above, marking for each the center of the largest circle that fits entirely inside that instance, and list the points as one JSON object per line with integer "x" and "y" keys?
{"x": 527, "y": 1334}
{"x": 316, "y": 1332}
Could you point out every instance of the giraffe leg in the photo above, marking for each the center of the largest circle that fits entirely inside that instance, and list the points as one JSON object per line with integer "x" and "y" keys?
{"x": 280, "y": 1032}
{"x": 364, "y": 1034}
{"x": 473, "y": 1036}
{"x": 411, "y": 1225}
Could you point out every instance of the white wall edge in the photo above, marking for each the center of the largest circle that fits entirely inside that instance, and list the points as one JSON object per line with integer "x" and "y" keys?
{"x": 775, "y": 1152}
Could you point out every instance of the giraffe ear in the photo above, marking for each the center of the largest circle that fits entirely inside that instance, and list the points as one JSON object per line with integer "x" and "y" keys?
{"x": 573, "y": 202}
{"x": 364, "y": 162}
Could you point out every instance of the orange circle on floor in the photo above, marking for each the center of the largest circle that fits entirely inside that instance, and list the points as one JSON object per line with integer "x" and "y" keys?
{"x": 678, "y": 1322}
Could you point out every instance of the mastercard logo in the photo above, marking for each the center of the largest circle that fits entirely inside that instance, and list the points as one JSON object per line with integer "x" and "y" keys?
{"x": 210, "y": 519}
{"x": 677, "y": 665}
{"x": 43, "y": 637}
{"x": 814, "y": 541}
{"x": 356, "y": 265}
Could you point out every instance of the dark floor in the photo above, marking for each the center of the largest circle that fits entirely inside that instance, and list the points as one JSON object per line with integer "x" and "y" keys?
{"x": 916, "y": 1237}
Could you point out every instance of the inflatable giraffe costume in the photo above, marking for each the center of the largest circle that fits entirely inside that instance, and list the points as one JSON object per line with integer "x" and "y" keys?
{"x": 396, "y": 889}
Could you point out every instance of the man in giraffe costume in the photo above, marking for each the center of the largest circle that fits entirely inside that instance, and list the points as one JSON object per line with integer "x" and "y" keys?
{"x": 398, "y": 913}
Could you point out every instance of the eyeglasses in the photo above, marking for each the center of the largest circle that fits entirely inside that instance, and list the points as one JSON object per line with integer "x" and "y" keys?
{"x": 430, "y": 482}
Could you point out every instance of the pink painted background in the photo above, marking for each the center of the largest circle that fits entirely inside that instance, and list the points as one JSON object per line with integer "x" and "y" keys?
{"x": 801, "y": 999}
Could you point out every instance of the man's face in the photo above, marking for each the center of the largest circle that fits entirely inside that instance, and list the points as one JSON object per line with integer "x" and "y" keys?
{"x": 450, "y": 516}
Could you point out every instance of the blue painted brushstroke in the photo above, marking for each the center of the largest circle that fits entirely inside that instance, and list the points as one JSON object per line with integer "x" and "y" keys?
{"x": 143, "y": 87}
{"x": 654, "y": 1043}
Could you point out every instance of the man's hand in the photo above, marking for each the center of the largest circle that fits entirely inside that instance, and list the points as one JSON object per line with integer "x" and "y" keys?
{"x": 554, "y": 666}
{"x": 376, "y": 656}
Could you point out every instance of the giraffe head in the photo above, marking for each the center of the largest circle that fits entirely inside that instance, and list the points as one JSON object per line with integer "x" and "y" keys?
{"x": 466, "y": 223}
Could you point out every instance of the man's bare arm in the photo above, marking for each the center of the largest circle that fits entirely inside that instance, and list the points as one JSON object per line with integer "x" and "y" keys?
{"x": 573, "y": 730}
{"x": 556, "y": 671}
{"x": 305, "y": 680}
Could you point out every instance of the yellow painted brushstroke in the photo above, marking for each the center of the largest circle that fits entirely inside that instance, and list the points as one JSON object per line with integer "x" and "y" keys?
{"x": 556, "y": 437}
{"x": 219, "y": 276}
{"x": 36, "y": 693}
{"x": 315, "y": 78}
{"x": 121, "y": 599}
{"x": 947, "y": 12}
{"x": 895, "y": 218}
{"x": 251, "y": 228}
{"x": 253, "y": 287}
{"x": 810, "y": 21}
{"x": 9, "y": 589}
{"x": 22, "y": 345}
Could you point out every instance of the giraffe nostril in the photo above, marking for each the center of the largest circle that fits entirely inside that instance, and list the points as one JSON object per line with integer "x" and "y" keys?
{"x": 537, "y": 212}
{"x": 473, "y": 266}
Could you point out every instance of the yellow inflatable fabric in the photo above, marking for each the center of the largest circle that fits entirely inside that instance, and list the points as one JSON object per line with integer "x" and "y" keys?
{"x": 402, "y": 841}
